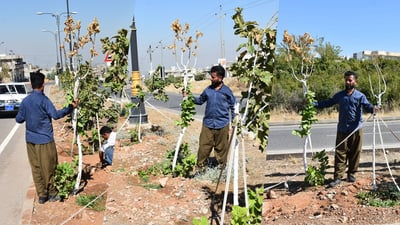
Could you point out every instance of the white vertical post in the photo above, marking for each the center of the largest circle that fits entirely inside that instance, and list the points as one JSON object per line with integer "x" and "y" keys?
{"x": 232, "y": 146}
{"x": 373, "y": 155}
{"x": 236, "y": 175}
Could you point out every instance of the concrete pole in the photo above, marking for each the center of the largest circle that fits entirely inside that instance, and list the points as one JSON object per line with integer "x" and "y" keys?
{"x": 138, "y": 113}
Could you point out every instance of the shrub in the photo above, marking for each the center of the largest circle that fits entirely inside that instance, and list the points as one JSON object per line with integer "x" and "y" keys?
{"x": 388, "y": 197}
{"x": 240, "y": 215}
{"x": 316, "y": 176}
{"x": 64, "y": 178}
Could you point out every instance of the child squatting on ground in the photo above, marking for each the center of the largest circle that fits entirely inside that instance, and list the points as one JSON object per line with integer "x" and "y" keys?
{"x": 107, "y": 149}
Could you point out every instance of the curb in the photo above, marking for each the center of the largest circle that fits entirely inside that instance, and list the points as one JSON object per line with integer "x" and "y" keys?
{"x": 329, "y": 121}
{"x": 300, "y": 154}
{"x": 28, "y": 208}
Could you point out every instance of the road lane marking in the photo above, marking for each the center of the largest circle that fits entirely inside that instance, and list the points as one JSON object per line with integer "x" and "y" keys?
{"x": 8, "y": 138}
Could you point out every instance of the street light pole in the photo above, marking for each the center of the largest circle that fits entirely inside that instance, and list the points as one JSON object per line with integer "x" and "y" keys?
{"x": 59, "y": 39}
{"x": 150, "y": 51}
{"x": 5, "y": 49}
{"x": 162, "y": 72}
{"x": 71, "y": 66}
{"x": 1, "y": 43}
{"x": 162, "y": 50}
{"x": 58, "y": 58}
{"x": 57, "y": 16}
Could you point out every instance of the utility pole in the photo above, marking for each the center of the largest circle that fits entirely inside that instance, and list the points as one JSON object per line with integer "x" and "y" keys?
{"x": 150, "y": 51}
{"x": 71, "y": 66}
{"x": 58, "y": 64}
{"x": 57, "y": 16}
{"x": 3, "y": 43}
{"x": 162, "y": 52}
{"x": 162, "y": 72}
{"x": 221, "y": 16}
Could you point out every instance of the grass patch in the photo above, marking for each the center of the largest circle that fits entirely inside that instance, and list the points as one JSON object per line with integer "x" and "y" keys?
{"x": 387, "y": 197}
{"x": 152, "y": 186}
{"x": 97, "y": 205}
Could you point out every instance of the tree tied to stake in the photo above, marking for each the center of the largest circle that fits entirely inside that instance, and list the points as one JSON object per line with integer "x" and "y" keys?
{"x": 254, "y": 67}
{"x": 300, "y": 54}
{"x": 187, "y": 46}
{"x": 83, "y": 83}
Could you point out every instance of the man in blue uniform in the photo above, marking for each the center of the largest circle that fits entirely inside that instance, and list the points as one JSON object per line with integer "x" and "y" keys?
{"x": 219, "y": 112}
{"x": 38, "y": 111}
{"x": 349, "y": 129}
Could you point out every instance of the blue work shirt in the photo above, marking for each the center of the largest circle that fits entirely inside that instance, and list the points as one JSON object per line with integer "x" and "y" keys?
{"x": 350, "y": 109}
{"x": 219, "y": 108}
{"x": 37, "y": 111}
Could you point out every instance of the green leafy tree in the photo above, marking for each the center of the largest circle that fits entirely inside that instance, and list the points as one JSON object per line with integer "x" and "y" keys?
{"x": 117, "y": 73}
{"x": 254, "y": 67}
{"x": 81, "y": 82}
{"x": 328, "y": 69}
{"x": 156, "y": 85}
{"x": 93, "y": 94}
{"x": 328, "y": 54}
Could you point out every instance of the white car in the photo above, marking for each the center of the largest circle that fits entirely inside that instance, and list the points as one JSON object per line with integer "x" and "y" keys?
{"x": 11, "y": 96}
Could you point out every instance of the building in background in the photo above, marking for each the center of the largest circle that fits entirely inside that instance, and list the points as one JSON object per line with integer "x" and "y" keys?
{"x": 367, "y": 55}
{"x": 14, "y": 65}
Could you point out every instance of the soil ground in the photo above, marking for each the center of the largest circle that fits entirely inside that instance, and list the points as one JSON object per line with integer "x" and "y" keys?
{"x": 128, "y": 199}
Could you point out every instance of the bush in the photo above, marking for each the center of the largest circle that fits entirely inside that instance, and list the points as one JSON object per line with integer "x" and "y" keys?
{"x": 316, "y": 176}
{"x": 240, "y": 215}
{"x": 387, "y": 197}
{"x": 65, "y": 178}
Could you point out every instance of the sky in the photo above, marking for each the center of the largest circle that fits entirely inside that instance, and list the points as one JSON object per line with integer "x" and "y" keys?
{"x": 22, "y": 31}
{"x": 354, "y": 25}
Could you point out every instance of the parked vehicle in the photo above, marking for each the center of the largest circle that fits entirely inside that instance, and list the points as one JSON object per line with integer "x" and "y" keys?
{"x": 10, "y": 106}
{"x": 11, "y": 96}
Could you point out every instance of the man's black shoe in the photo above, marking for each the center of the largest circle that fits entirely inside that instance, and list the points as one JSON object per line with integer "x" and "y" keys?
{"x": 334, "y": 183}
{"x": 54, "y": 198}
{"x": 43, "y": 199}
{"x": 351, "y": 178}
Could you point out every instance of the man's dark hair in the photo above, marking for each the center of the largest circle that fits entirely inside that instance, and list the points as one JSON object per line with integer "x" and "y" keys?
{"x": 219, "y": 70}
{"x": 350, "y": 73}
{"x": 105, "y": 130}
{"x": 37, "y": 79}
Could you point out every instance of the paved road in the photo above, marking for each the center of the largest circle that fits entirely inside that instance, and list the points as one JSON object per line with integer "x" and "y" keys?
{"x": 281, "y": 140}
{"x": 323, "y": 136}
{"x": 15, "y": 173}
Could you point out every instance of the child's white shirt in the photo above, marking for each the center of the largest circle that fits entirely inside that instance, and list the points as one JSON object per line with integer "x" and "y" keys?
{"x": 109, "y": 142}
